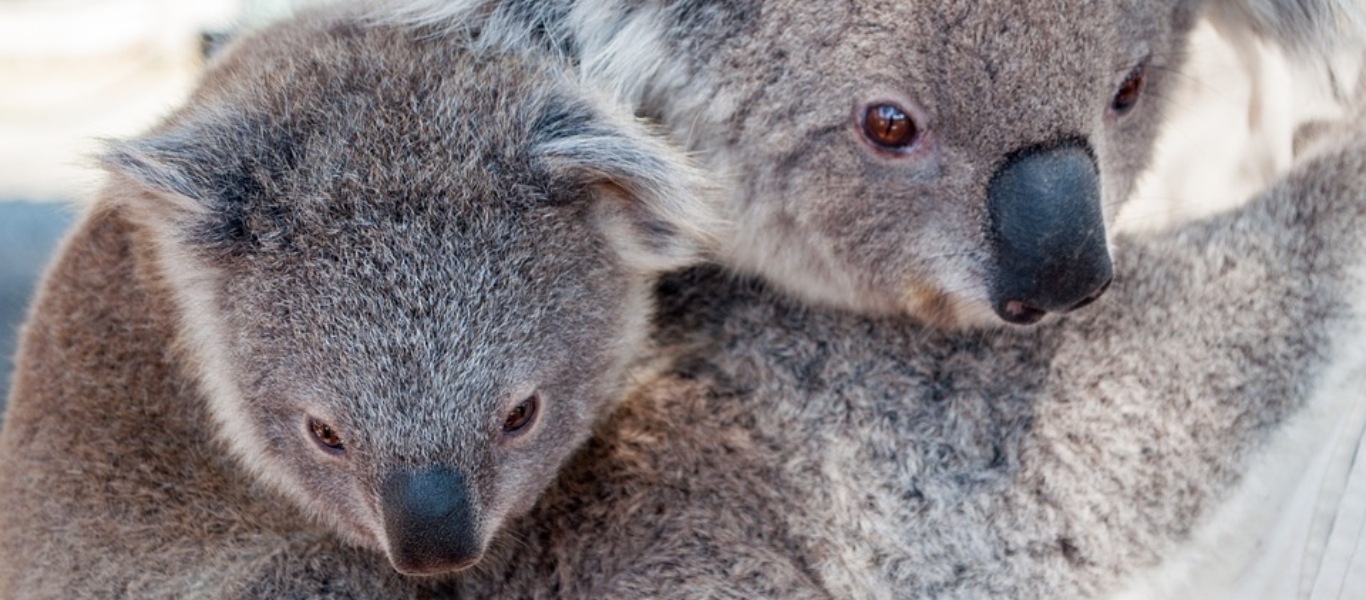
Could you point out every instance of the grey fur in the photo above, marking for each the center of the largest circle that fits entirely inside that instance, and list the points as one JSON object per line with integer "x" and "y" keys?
{"x": 768, "y": 91}
{"x": 371, "y": 226}
{"x": 804, "y": 453}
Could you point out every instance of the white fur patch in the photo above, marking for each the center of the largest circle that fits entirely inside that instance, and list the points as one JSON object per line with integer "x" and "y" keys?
{"x": 1305, "y": 27}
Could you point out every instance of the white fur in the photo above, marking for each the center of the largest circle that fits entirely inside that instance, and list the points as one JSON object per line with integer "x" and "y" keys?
{"x": 1308, "y": 28}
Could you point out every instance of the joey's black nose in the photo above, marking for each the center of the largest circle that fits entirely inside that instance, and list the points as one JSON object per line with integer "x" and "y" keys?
{"x": 430, "y": 521}
{"x": 1047, "y": 232}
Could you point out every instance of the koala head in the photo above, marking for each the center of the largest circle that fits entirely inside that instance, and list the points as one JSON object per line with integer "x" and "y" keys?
{"x": 960, "y": 161}
{"x": 410, "y": 277}
{"x": 957, "y": 161}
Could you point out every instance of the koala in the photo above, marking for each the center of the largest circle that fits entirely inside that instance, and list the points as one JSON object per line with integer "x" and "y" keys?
{"x": 335, "y": 321}
{"x": 960, "y": 162}
{"x": 798, "y": 451}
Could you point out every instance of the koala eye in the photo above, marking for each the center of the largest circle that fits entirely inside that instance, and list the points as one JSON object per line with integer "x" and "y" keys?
{"x": 326, "y": 437}
{"x": 889, "y": 126}
{"x": 1129, "y": 92}
{"x": 522, "y": 415}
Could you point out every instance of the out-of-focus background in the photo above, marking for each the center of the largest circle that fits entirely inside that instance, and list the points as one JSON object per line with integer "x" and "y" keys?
{"x": 75, "y": 71}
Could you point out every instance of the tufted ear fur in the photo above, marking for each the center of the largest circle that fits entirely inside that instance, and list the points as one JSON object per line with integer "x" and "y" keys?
{"x": 656, "y": 205}
{"x": 169, "y": 171}
{"x": 200, "y": 180}
{"x": 1304, "y": 27}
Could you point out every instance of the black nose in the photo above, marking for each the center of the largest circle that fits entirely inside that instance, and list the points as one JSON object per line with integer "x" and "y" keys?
{"x": 1048, "y": 232}
{"x": 429, "y": 519}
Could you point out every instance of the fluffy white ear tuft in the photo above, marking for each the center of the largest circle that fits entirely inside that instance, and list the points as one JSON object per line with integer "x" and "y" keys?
{"x": 661, "y": 209}
{"x": 171, "y": 168}
{"x": 1304, "y": 27}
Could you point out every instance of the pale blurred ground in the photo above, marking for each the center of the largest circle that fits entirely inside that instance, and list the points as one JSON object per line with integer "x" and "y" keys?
{"x": 75, "y": 71}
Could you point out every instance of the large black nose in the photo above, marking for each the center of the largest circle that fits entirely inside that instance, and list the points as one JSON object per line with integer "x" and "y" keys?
{"x": 1048, "y": 232}
{"x": 429, "y": 519}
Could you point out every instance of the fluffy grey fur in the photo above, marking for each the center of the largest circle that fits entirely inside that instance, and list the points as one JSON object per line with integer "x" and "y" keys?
{"x": 368, "y": 227}
{"x": 794, "y": 452}
{"x": 770, "y": 92}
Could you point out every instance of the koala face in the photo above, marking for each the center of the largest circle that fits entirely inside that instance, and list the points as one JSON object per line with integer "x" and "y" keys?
{"x": 958, "y": 161}
{"x": 411, "y": 277}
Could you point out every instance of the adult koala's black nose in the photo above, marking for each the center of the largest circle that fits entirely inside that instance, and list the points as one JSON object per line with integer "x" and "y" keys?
{"x": 1047, "y": 232}
{"x": 430, "y": 521}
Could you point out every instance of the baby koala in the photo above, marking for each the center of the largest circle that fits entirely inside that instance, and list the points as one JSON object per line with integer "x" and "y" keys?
{"x": 393, "y": 279}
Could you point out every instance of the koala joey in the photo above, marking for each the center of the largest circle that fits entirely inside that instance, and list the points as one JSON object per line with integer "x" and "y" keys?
{"x": 367, "y": 269}
{"x": 959, "y": 161}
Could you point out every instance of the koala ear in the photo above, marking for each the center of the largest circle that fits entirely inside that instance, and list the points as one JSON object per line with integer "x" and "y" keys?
{"x": 1304, "y": 27}
{"x": 659, "y": 209}
{"x": 200, "y": 181}
{"x": 170, "y": 168}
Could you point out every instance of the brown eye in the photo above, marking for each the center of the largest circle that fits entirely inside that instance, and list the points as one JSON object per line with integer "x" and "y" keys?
{"x": 1129, "y": 92}
{"x": 888, "y": 126}
{"x": 522, "y": 415}
{"x": 326, "y": 437}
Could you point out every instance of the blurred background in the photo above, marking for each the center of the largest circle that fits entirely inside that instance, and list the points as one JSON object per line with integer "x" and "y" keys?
{"x": 75, "y": 71}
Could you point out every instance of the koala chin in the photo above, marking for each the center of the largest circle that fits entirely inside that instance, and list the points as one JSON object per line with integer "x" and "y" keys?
{"x": 395, "y": 278}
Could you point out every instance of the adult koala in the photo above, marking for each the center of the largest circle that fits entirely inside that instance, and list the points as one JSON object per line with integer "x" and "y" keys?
{"x": 800, "y": 452}
{"x": 956, "y": 161}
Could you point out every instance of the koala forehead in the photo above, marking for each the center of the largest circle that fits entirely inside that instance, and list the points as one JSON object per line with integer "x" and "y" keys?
{"x": 983, "y": 73}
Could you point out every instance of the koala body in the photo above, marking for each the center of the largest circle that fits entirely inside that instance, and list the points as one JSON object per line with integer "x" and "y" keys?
{"x": 358, "y": 299}
{"x": 961, "y": 162}
{"x": 803, "y": 452}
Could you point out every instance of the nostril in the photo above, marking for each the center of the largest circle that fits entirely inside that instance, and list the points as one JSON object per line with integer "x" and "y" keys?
{"x": 1100, "y": 291}
{"x": 1019, "y": 313}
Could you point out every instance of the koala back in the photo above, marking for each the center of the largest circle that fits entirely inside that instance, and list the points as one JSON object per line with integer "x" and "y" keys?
{"x": 801, "y": 452}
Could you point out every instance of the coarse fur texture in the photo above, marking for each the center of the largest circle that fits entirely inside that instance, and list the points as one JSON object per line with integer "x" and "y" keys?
{"x": 292, "y": 335}
{"x": 771, "y": 92}
{"x": 795, "y": 452}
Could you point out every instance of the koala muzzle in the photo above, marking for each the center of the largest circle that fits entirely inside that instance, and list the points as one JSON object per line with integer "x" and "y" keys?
{"x": 1048, "y": 232}
{"x": 429, "y": 521}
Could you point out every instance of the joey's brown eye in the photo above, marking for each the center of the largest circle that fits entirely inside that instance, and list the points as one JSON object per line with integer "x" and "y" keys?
{"x": 326, "y": 436}
{"x": 1129, "y": 92}
{"x": 888, "y": 126}
{"x": 522, "y": 415}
